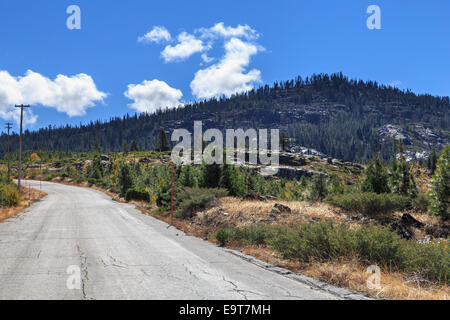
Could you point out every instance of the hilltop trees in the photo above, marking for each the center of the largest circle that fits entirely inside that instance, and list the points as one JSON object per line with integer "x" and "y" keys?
{"x": 338, "y": 116}
{"x": 440, "y": 186}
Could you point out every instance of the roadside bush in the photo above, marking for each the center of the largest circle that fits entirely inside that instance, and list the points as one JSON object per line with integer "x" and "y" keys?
{"x": 320, "y": 241}
{"x": 191, "y": 200}
{"x": 326, "y": 241}
{"x": 9, "y": 195}
{"x": 222, "y": 236}
{"x": 370, "y": 203}
{"x": 259, "y": 234}
{"x": 137, "y": 194}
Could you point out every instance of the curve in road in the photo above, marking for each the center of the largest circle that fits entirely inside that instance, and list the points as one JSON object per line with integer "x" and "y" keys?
{"x": 77, "y": 243}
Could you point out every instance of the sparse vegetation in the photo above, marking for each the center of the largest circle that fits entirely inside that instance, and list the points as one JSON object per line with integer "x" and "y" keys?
{"x": 370, "y": 203}
{"x": 326, "y": 241}
{"x": 9, "y": 195}
{"x": 191, "y": 200}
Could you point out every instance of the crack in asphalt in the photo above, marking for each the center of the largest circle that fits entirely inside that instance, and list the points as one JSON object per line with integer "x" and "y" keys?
{"x": 242, "y": 292}
{"x": 84, "y": 272}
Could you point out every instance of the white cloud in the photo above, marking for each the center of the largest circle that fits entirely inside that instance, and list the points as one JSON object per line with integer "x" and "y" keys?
{"x": 228, "y": 76}
{"x": 150, "y": 96}
{"x": 220, "y": 30}
{"x": 187, "y": 46}
{"x": 68, "y": 94}
{"x": 157, "y": 34}
{"x": 206, "y": 59}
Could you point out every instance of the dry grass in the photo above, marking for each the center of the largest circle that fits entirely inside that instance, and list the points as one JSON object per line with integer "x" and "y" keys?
{"x": 348, "y": 274}
{"x": 233, "y": 211}
{"x": 29, "y": 197}
{"x": 352, "y": 275}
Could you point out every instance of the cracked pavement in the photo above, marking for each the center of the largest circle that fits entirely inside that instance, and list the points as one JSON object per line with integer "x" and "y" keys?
{"x": 123, "y": 254}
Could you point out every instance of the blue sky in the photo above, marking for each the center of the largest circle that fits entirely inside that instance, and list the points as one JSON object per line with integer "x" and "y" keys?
{"x": 258, "y": 42}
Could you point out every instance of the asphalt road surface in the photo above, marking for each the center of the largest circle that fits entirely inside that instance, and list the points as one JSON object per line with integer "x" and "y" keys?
{"x": 77, "y": 243}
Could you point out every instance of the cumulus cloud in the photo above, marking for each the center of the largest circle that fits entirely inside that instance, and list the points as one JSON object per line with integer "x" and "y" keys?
{"x": 228, "y": 76}
{"x": 150, "y": 96}
{"x": 187, "y": 46}
{"x": 157, "y": 35}
{"x": 68, "y": 94}
{"x": 220, "y": 30}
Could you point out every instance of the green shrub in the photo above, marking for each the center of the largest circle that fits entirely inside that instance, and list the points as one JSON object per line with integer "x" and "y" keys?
{"x": 50, "y": 177}
{"x": 137, "y": 194}
{"x": 92, "y": 180}
{"x": 9, "y": 195}
{"x": 326, "y": 241}
{"x": 370, "y": 203}
{"x": 259, "y": 234}
{"x": 321, "y": 241}
{"x": 191, "y": 200}
{"x": 222, "y": 237}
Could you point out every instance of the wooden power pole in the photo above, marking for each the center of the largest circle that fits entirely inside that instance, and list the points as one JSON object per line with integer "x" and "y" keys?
{"x": 9, "y": 126}
{"x": 20, "y": 143}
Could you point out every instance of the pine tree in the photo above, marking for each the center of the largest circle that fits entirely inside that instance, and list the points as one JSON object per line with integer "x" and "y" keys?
{"x": 440, "y": 186}
{"x": 402, "y": 180}
{"x": 134, "y": 148}
{"x": 376, "y": 177}
{"x": 124, "y": 180}
{"x": 97, "y": 148}
{"x": 125, "y": 148}
{"x": 284, "y": 141}
{"x": 433, "y": 162}
{"x": 163, "y": 143}
{"x": 232, "y": 180}
{"x": 188, "y": 177}
{"x": 211, "y": 175}
{"x": 319, "y": 188}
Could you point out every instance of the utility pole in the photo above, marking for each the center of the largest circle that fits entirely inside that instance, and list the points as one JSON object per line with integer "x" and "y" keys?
{"x": 9, "y": 126}
{"x": 20, "y": 143}
{"x": 171, "y": 197}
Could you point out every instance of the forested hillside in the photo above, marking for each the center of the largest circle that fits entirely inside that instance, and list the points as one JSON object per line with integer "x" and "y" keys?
{"x": 342, "y": 118}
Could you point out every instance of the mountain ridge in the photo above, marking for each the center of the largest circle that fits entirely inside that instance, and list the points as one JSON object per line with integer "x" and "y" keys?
{"x": 344, "y": 118}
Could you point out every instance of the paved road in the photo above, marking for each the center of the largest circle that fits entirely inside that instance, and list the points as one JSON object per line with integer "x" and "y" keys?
{"x": 120, "y": 253}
